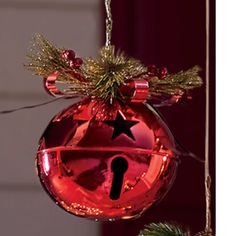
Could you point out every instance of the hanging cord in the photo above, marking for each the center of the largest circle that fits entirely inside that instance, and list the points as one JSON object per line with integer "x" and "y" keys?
{"x": 36, "y": 105}
{"x": 208, "y": 228}
{"x": 109, "y": 22}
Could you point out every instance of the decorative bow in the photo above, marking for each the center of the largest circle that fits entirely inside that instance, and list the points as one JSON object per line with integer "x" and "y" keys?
{"x": 111, "y": 77}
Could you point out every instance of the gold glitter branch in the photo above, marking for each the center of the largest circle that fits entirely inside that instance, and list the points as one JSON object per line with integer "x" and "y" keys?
{"x": 103, "y": 77}
{"x": 44, "y": 58}
{"x": 176, "y": 84}
{"x": 109, "y": 72}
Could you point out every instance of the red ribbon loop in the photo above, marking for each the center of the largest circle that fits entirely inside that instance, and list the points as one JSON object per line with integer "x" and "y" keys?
{"x": 136, "y": 90}
{"x": 50, "y": 85}
{"x": 141, "y": 88}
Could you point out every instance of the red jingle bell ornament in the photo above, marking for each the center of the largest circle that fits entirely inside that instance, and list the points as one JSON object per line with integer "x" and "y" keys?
{"x": 109, "y": 156}
{"x": 107, "y": 163}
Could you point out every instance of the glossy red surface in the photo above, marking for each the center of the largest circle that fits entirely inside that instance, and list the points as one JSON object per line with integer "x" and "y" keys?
{"x": 106, "y": 163}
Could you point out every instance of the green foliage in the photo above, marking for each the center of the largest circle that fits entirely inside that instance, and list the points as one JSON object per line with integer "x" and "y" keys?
{"x": 163, "y": 229}
{"x": 176, "y": 84}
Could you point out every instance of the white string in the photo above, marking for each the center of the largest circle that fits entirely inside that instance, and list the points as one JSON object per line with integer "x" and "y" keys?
{"x": 108, "y": 22}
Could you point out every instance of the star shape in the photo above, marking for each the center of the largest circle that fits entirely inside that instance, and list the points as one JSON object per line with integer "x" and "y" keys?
{"x": 121, "y": 126}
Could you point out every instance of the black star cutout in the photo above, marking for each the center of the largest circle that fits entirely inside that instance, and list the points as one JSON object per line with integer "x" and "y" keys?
{"x": 121, "y": 126}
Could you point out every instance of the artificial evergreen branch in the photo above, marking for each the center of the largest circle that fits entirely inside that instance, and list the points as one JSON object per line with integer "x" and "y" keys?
{"x": 163, "y": 229}
{"x": 109, "y": 72}
{"x": 44, "y": 58}
{"x": 103, "y": 77}
{"x": 176, "y": 84}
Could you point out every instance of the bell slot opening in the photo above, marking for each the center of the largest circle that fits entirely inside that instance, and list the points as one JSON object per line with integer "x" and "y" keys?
{"x": 119, "y": 166}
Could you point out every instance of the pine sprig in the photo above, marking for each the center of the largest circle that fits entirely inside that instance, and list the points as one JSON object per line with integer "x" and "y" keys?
{"x": 109, "y": 72}
{"x": 163, "y": 229}
{"x": 103, "y": 77}
{"x": 176, "y": 84}
{"x": 44, "y": 58}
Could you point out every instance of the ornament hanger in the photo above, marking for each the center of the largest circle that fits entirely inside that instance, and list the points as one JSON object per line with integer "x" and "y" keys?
{"x": 109, "y": 22}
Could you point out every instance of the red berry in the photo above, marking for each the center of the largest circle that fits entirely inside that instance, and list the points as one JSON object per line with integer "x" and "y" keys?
{"x": 152, "y": 69}
{"x": 68, "y": 55}
{"x": 78, "y": 62}
{"x": 162, "y": 73}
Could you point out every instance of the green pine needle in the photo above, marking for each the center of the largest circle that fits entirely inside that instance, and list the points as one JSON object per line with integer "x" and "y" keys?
{"x": 163, "y": 229}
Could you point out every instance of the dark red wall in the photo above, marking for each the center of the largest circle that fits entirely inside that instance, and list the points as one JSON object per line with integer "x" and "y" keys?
{"x": 171, "y": 33}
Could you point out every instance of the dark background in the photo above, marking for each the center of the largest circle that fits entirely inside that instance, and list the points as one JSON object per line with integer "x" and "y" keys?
{"x": 172, "y": 34}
